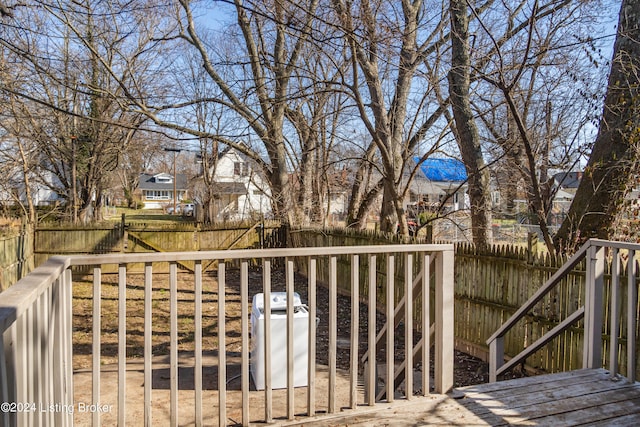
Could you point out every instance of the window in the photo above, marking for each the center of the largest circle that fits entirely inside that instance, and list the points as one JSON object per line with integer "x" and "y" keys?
{"x": 240, "y": 169}
{"x": 157, "y": 195}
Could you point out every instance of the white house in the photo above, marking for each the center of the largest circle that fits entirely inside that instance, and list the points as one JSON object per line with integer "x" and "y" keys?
{"x": 240, "y": 191}
{"x": 564, "y": 185}
{"x": 156, "y": 190}
{"x": 42, "y": 183}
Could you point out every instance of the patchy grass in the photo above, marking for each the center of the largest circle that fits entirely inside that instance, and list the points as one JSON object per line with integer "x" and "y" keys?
{"x": 149, "y": 216}
{"x": 83, "y": 316}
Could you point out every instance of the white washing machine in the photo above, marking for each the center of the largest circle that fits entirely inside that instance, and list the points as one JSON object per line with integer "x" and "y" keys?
{"x": 278, "y": 337}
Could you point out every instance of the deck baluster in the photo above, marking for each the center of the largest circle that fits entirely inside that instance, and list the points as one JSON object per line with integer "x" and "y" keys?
{"x": 614, "y": 313}
{"x": 96, "y": 320}
{"x": 355, "y": 330}
{"x": 632, "y": 320}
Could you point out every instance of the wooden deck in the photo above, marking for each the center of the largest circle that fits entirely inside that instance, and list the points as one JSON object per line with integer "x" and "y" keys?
{"x": 583, "y": 397}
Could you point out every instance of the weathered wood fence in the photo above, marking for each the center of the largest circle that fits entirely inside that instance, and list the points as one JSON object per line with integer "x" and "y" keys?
{"x": 490, "y": 285}
{"x": 16, "y": 256}
{"x": 142, "y": 237}
{"x": 21, "y": 251}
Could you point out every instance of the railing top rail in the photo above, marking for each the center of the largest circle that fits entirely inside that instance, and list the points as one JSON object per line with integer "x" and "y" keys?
{"x": 615, "y": 245}
{"x": 542, "y": 291}
{"x": 18, "y": 298}
{"x": 254, "y": 253}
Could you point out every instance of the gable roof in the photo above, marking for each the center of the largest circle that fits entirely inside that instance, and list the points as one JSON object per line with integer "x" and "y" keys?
{"x": 567, "y": 179}
{"x": 149, "y": 182}
{"x": 442, "y": 170}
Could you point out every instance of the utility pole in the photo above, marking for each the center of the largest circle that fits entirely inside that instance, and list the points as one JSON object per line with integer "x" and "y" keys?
{"x": 175, "y": 152}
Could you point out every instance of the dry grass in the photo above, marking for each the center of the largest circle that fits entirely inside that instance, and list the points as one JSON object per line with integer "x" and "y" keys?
{"x": 83, "y": 317}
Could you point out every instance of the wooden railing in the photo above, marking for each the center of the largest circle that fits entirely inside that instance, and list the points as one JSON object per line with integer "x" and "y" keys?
{"x": 36, "y": 320}
{"x": 593, "y": 253}
{"x": 36, "y": 373}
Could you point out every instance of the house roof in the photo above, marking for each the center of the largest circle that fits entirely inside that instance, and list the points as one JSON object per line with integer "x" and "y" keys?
{"x": 567, "y": 179}
{"x": 442, "y": 170}
{"x": 149, "y": 182}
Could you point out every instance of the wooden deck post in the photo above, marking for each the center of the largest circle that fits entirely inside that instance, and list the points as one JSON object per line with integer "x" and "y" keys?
{"x": 593, "y": 308}
{"x": 496, "y": 358}
{"x": 632, "y": 303}
{"x": 444, "y": 322}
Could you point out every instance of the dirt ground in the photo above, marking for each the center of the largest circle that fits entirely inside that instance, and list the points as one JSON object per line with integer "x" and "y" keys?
{"x": 468, "y": 370}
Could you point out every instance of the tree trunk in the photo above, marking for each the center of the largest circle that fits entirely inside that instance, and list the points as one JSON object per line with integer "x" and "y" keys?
{"x": 614, "y": 156}
{"x": 465, "y": 127}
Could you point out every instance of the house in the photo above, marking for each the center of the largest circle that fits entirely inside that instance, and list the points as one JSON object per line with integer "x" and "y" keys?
{"x": 330, "y": 198}
{"x": 240, "y": 191}
{"x": 42, "y": 185}
{"x": 438, "y": 182}
{"x": 564, "y": 186}
{"x": 156, "y": 191}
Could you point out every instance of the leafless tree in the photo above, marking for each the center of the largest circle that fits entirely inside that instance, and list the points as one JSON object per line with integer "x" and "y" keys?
{"x": 613, "y": 161}
{"x": 272, "y": 37}
{"x": 466, "y": 129}
{"x": 530, "y": 74}
{"x": 285, "y": 83}
{"x": 387, "y": 56}
{"x": 79, "y": 130}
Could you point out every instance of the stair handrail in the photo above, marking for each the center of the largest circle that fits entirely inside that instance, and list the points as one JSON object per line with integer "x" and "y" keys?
{"x": 495, "y": 342}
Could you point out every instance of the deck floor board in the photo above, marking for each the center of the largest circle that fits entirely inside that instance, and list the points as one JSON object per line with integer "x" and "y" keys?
{"x": 587, "y": 396}
{"x": 577, "y": 398}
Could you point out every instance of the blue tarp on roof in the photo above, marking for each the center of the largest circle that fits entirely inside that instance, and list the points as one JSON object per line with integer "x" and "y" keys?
{"x": 442, "y": 170}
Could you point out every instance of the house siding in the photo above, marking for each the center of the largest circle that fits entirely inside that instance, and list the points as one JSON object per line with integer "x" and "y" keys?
{"x": 255, "y": 200}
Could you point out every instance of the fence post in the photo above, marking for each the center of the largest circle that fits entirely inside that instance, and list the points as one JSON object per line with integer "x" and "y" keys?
{"x": 123, "y": 233}
{"x": 532, "y": 247}
{"x": 444, "y": 322}
{"x": 594, "y": 284}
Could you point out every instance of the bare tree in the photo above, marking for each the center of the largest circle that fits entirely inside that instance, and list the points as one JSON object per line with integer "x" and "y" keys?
{"x": 521, "y": 79}
{"x": 80, "y": 131}
{"x": 465, "y": 126}
{"x": 317, "y": 114}
{"x": 18, "y": 160}
{"x": 273, "y": 35}
{"x": 386, "y": 55}
{"x": 614, "y": 158}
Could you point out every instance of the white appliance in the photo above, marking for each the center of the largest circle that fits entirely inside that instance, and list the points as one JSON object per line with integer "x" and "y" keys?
{"x": 278, "y": 338}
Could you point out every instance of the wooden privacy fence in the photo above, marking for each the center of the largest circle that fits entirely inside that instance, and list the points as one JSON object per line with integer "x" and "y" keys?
{"x": 608, "y": 317}
{"x": 142, "y": 238}
{"x": 490, "y": 285}
{"x": 16, "y": 256}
